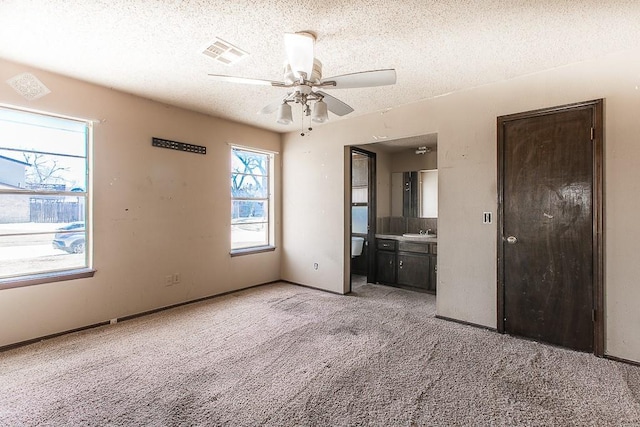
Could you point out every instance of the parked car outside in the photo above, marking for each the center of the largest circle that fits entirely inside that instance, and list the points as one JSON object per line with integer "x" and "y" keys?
{"x": 71, "y": 238}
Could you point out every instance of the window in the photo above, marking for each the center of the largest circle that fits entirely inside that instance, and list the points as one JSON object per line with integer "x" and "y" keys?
{"x": 251, "y": 200}
{"x": 359, "y": 193}
{"x": 43, "y": 196}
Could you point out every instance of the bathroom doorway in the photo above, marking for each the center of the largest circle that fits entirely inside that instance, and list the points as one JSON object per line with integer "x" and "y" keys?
{"x": 371, "y": 206}
{"x": 363, "y": 216}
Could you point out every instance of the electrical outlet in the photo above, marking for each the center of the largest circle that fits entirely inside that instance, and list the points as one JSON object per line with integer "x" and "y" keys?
{"x": 168, "y": 280}
{"x": 176, "y": 278}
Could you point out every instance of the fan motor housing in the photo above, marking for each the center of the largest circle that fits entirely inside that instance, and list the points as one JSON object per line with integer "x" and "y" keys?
{"x": 316, "y": 74}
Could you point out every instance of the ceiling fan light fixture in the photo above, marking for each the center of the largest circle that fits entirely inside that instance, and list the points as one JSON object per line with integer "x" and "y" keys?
{"x": 302, "y": 73}
{"x": 285, "y": 116}
{"x": 320, "y": 114}
{"x": 289, "y": 78}
{"x": 316, "y": 74}
{"x": 300, "y": 55}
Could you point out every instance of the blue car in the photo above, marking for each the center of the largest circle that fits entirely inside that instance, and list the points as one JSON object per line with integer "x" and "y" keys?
{"x": 71, "y": 238}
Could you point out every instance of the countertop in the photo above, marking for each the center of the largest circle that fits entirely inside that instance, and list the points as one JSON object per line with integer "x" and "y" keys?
{"x": 400, "y": 237}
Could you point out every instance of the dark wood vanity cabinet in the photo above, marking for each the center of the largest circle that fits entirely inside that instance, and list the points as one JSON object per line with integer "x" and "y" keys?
{"x": 413, "y": 264}
{"x": 413, "y": 270}
{"x": 433, "y": 267}
{"x": 407, "y": 263}
{"x": 386, "y": 261}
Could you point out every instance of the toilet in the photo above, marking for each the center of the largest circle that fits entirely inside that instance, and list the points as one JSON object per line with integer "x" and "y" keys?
{"x": 356, "y": 246}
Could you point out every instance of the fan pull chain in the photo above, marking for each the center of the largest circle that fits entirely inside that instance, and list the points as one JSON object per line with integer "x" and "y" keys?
{"x": 304, "y": 114}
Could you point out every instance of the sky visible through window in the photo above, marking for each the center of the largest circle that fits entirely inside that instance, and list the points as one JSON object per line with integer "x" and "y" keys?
{"x": 27, "y": 136}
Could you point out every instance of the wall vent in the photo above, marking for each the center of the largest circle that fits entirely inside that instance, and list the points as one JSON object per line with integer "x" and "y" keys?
{"x": 28, "y": 85}
{"x": 224, "y": 52}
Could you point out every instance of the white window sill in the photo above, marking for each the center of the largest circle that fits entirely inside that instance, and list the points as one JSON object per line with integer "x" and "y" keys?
{"x": 37, "y": 279}
{"x": 249, "y": 251}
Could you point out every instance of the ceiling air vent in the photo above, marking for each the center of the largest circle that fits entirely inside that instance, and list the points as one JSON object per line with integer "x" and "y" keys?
{"x": 28, "y": 85}
{"x": 224, "y": 52}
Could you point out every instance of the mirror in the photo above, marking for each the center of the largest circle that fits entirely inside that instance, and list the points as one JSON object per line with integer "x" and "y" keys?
{"x": 414, "y": 194}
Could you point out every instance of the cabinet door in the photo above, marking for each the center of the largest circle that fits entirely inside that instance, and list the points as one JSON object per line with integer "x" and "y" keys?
{"x": 413, "y": 270}
{"x": 386, "y": 267}
{"x": 433, "y": 272}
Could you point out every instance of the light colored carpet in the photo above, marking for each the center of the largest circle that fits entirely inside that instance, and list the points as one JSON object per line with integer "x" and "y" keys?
{"x": 283, "y": 355}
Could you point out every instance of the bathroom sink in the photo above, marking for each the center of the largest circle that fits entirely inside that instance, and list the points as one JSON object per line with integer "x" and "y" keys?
{"x": 419, "y": 236}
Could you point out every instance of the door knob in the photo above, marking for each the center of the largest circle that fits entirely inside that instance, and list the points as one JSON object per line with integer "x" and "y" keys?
{"x": 511, "y": 239}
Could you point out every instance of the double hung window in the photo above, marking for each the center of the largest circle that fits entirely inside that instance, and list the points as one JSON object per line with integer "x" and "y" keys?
{"x": 44, "y": 196}
{"x": 251, "y": 200}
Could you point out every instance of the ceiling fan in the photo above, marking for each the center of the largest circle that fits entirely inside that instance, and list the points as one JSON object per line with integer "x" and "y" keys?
{"x": 303, "y": 75}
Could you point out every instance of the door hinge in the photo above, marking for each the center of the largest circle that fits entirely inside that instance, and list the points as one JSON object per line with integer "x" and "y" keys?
{"x": 593, "y": 315}
{"x": 593, "y": 133}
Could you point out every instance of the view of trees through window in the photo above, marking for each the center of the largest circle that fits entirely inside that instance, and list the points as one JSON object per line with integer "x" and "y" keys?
{"x": 249, "y": 199}
{"x": 43, "y": 193}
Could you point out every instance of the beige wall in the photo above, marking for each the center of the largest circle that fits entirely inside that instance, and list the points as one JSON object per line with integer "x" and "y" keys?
{"x": 156, "y": 211}
{"x": 466, "y": 125}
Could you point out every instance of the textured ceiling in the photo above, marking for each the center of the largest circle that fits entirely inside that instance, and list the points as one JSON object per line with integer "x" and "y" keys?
{"x": 152, "y": 48}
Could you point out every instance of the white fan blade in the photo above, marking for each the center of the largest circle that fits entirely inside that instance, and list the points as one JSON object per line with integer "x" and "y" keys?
{"x": 273, "y": 107}
{"x": 334, "y": 105}
{"x": 362, "y": 79}
{"x": 245, "y": 80}
{"x": 299, "y": 50}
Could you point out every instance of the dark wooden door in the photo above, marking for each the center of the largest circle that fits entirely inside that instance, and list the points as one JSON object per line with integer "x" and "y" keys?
{"x": 547, "y": 237}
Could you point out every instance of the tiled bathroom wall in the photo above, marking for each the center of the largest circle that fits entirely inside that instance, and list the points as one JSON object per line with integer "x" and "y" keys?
{"x": 401, "y": 225}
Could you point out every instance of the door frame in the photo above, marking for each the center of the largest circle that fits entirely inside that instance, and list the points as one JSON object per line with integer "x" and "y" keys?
{"x": 371, "y": 209}
{"x": 596, "y": 106}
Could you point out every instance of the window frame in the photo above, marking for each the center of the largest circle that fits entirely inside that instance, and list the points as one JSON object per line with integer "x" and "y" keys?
{"x": 359, "y": 204}
{"x": 270, "y": 221}
{"x": 63, "y": 274}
